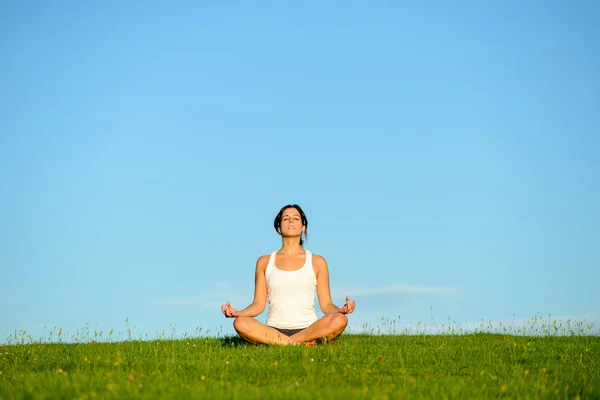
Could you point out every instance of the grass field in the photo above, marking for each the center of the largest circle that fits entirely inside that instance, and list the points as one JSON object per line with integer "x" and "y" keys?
{"x": 477, "y": 365}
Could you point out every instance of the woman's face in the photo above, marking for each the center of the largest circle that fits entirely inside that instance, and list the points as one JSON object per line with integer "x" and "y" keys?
{"x": 291, "y": 223}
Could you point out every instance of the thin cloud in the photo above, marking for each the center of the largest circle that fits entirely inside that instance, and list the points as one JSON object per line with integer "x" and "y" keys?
{"x": 212, "y": 299}
{"x": 189, "y": 302}
{"x": 180, "y": 303}
{"x": 241, "y": 298}
{"x": 399, "y": 289}
{"x": 6, "y": 296}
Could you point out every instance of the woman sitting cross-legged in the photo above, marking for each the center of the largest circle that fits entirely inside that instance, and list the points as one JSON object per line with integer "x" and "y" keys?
{"x": 288, "y": 278}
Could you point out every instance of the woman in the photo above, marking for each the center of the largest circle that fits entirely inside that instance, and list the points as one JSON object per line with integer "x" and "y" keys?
{"x": 288, "y": 278}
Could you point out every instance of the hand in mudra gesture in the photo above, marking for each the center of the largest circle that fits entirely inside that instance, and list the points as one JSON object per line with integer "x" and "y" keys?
{"x": 229, "y": 311}
{"x": 348, "y": 307}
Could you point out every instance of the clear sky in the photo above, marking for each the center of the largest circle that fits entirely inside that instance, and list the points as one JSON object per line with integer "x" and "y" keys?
{"x": 446, "y": 155}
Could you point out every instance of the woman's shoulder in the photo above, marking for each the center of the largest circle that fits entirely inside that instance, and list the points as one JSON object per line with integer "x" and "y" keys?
{"x": 318, "y": 259}
{"x": 263, "y": 261}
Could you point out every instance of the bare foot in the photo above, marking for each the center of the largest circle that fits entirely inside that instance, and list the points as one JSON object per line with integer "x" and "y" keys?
{"x": 312, "y": 343}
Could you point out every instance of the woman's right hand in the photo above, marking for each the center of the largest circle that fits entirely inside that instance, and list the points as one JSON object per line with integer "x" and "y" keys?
{"x": 229, "y": 311}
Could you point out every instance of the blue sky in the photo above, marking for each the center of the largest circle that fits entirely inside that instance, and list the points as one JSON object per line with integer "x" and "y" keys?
{"x": 446, "y": 156}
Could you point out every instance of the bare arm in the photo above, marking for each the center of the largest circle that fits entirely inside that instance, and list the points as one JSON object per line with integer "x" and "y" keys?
{"x": 324, "y": 292}
{"x": 260, "y": 294}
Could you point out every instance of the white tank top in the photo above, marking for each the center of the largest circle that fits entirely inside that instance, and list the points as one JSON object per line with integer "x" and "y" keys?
{"x": 291, "y": 295}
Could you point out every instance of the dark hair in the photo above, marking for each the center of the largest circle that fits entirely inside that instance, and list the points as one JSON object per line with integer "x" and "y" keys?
{"x": 277, "y": 222}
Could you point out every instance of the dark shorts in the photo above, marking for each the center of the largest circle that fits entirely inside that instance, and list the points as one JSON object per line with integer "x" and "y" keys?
{"x": 290, "y": 332}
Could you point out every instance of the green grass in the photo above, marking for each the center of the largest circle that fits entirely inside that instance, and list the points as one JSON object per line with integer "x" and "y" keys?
{"x": 480, "y": 365}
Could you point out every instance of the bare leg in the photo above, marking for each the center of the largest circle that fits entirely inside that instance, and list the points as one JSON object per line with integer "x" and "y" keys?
{"x": 329, "y": 326}
{"x": 256, "y": 332}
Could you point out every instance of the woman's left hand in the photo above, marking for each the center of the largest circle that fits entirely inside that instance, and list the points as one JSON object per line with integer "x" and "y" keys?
{"x": 348, "y": 307}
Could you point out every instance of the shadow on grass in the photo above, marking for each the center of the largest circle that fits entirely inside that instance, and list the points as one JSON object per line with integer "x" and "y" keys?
{"x": 233, "y": 341}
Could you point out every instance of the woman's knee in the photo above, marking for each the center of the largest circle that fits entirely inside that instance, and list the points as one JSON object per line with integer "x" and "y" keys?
{"x": 339, "y": 321}
{"x": 240, "y": 324}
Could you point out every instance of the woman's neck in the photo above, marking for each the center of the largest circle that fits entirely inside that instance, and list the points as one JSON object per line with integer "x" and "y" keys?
{"x": 291, "y": 246}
